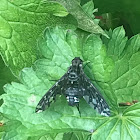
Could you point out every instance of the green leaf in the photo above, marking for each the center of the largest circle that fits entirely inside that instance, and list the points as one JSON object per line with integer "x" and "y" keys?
{"x": 62, "y": 136}
{"x": 76, "y": 136}
{"x": 117, "y": 80}
{"x": 21, "y": 23}
{"x": 53, "y": 136}
{"x": 89, "y": 10}
{"x": 60, "y": 43}
{"x": 13, "y": 127}
{"x": 85, "y": 22}
{"x": 5, "y": 76}
{"x": 117, "y": 42}
{"x": 127, "y": 11}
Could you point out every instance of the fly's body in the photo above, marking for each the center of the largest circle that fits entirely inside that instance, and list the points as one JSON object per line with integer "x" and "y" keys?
{"x": 75, "y": 85}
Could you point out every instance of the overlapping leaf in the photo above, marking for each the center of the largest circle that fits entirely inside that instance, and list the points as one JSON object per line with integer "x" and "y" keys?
{"x": 126, "y": 10}
{"x": 81, "y": 14}
{"x": 21, "y": 23}
{"x": 118, "y": 82}
{"x": 5, "y": 76}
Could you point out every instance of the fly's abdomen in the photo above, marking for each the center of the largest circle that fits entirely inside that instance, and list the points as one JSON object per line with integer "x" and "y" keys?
{"x": 72, "y": 100}
{"x": 72, "y": 96}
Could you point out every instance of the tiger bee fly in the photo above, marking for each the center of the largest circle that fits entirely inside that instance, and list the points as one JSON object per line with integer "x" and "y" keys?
{"x": 74, "y": 84}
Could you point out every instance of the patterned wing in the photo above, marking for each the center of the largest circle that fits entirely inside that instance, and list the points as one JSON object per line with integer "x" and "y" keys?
{"x": 94, "y": 98}
{"x": 50, "y": 96}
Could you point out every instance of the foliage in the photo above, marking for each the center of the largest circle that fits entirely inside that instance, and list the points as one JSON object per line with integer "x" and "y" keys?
{"x": 120, "y": 12}
{"x": 45, "y": 55}
{"x": 22, "y": 22}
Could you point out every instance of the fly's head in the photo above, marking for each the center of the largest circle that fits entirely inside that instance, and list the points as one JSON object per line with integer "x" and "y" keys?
{"x": 75, "y": 69}
{"x": 77, "y": 62}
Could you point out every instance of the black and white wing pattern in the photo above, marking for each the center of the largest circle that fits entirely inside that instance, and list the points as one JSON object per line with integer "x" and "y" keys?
{"x": 74, "y": 84}
{"x": 94, "y": 98}
{"x": 50, "y": 96}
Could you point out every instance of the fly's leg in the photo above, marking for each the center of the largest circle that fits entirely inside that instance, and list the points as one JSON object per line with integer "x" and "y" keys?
{"x": 78, "y": 108}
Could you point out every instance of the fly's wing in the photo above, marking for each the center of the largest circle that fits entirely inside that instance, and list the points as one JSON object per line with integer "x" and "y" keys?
{"x": 49, "y": 97}
{"x": 94, "y": 98}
